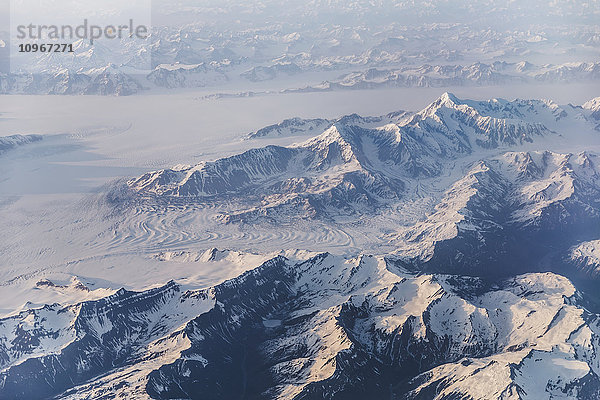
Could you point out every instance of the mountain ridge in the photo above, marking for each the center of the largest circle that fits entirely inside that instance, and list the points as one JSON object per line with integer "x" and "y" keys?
{"x": 363, "y": 312}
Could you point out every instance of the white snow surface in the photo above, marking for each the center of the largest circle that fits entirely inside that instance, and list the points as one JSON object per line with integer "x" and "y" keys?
{"x": 587, "y": 254}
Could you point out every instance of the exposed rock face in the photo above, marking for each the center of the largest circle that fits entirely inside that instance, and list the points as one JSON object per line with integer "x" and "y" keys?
{"x": 327, "y": 327}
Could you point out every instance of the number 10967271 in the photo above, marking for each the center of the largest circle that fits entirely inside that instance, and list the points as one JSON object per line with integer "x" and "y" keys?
{"x": 46, "y": 48}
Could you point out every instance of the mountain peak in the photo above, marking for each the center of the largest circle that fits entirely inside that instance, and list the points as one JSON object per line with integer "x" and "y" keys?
{"x": 446, "y": 100}
{"x": 448, "y": 97}
{"x": 593, "y": 104}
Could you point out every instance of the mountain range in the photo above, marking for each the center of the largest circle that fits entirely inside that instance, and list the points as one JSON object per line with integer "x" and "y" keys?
{"x": 321, "y": 327}
{"x": 488, "y": 293}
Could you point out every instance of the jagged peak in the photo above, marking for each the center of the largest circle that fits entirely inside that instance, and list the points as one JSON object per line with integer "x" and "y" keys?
{"x": 447, "y": 100}
{"x": 488, "y": 124}
{"x": 540, "y": 161}
{"x": 524, "y": 66}
{"x": 593, "y": 104}
{"x": 497, "y": 108}
{"x": 525, "y": 164}
{"x": 337, "y": 133}
{"x": 449, "y": 97}
{"x": 292, "y": 126}
{"x": 585, "y": 159}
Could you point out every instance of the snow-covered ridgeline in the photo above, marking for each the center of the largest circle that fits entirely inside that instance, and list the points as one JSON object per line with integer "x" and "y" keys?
{"x": 318, "y": 324}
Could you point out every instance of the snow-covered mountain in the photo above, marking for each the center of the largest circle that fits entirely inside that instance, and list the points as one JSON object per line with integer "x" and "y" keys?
{"x": 484, "y": 290}
{"x": 310, "y": 127}
{"x": 260, "y": 73}
{"x": 181, "y": 75}
{"x": 586, "y": 256}
{"x": 593, "y": 106}
{"x": 175, "y": 64}
{"x": 326, "y": 327}
{"x": 506, "y": 214}
{"x": 10, "y": 142}
{"x": 357, "y": 162}
{"x": 477, "y": 74}
{"x": 292, "y": 127}
{"x": 109, "y": 80}
{"x": 497, "y": 204}
{"x": 290, "y": 44}
{"x": 446, "y": 253}
{"x": 106, "y": 80}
